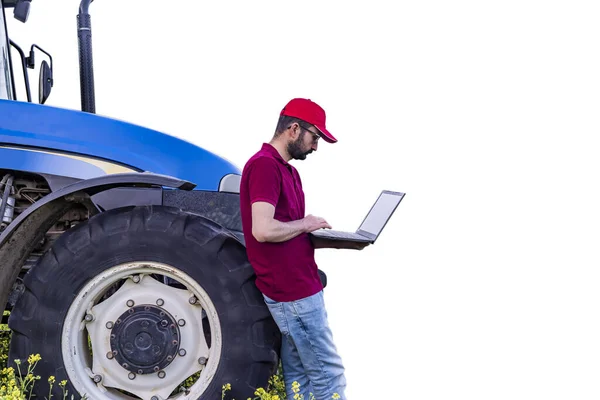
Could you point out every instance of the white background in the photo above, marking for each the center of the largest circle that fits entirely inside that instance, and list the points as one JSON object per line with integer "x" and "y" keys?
{"x": 485, "y": 283}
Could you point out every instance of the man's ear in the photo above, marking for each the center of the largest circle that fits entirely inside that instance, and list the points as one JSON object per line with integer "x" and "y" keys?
{"x": 294, "y": 130}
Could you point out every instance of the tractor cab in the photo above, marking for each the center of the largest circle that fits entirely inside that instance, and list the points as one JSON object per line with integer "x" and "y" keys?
{"x": 6, "y": 77}
{"x": 8, "y": 89}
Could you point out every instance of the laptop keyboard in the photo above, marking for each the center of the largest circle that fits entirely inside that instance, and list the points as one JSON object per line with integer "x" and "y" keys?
{"x": 340, "y": 234}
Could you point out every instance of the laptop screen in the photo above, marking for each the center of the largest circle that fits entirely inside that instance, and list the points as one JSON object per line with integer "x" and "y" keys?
{"x": 380, "y": 212}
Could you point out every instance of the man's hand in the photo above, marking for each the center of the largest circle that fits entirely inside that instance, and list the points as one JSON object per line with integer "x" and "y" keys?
{"x": 312, "y": 223}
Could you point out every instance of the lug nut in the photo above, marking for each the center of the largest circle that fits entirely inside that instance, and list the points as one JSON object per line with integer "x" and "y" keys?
{"x": 89, "y": 317}
{"x": 169, "y": 358}
{"x": 109, "y": 325}
{"x": 175, "y": 342}
{"x": 125, "y": 365}
{"x": 193, "y": 300}
{"x": 136, "y": 279}
{"x": 97, "y": 378}
{"x": 156, "y": 369}
{"x": 162, "y": 374}
{"x": 164, "y": 323}
{"x": 131, "y": 376}
{"x": 109, "y": 355}
{"x": 140, "y": 371}
{"x": 202, "y": 360}
{"x": 154, "y": 398}
{"x": 160, "y": 302}
{"x": 182, "y": 352}
{"x": 181, "y": 322}
{"x": 130, "y": 303}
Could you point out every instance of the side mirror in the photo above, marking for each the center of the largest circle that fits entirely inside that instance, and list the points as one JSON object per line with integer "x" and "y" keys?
{"x": 21, "y": 10}
{"x": 45, "y": 85}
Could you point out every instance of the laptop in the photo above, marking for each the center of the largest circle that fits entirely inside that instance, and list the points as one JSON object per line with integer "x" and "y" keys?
{"x": 372, "y": 225}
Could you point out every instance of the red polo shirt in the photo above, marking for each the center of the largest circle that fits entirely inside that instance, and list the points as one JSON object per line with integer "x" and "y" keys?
{"x": 285, "y": 271}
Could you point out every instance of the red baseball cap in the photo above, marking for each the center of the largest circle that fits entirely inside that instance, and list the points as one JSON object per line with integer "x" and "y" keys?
{"x": 311, "y": 112}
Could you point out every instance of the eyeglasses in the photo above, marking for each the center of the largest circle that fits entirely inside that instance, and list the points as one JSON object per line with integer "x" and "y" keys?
{"x": 315, "y": 136}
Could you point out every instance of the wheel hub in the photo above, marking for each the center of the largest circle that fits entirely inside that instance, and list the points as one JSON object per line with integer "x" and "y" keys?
{"x": 126, "y": 339}
{"x": 145, "y": 339}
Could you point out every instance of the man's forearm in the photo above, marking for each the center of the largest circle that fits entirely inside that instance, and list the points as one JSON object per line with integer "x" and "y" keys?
{"x": 277, "y": 231}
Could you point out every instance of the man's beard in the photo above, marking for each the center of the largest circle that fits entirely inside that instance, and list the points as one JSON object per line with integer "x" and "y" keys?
{"x": 295, "y": 148}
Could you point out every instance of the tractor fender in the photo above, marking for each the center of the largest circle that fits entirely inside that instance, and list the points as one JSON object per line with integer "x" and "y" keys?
{"x": 20, "y": 237}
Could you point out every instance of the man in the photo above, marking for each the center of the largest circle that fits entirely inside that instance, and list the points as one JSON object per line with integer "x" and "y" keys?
{"x": 281, "y": 251}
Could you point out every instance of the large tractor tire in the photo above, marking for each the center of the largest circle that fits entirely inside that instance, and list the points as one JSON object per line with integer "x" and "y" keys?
{"x": 136, "y": 301}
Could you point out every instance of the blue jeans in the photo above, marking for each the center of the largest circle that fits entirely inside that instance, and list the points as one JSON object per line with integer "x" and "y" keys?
{"x": 308, "y": 354}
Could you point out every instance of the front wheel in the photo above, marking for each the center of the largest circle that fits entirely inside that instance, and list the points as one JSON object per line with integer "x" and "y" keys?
{"x": 146, "y": 303}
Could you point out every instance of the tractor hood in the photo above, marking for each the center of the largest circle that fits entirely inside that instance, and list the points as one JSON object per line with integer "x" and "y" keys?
{"x": 110, "y": 142}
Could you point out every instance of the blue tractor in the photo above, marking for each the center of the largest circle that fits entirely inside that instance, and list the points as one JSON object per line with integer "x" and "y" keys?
{"x": 122, "y": 261}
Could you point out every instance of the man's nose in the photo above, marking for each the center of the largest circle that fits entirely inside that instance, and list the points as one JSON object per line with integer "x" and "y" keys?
{"x": 315, "y": 145}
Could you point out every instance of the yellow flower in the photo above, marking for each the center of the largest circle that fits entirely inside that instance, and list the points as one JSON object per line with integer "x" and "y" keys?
{"x": 295, "y": 387}
{"x": 336, "y": 396}
{"x": 34, "y": 358}
{"x": 51, "y": 380}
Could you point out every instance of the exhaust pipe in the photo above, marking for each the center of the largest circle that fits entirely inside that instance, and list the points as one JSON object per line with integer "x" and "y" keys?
{"x": 86, "y": 66}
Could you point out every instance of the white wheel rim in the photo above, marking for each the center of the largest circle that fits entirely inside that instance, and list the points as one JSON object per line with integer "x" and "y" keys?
{"x": 81, "y": 367}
